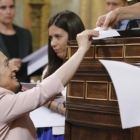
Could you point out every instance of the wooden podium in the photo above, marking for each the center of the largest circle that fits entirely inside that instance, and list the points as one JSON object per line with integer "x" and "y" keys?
{"x": 92, "y": 106}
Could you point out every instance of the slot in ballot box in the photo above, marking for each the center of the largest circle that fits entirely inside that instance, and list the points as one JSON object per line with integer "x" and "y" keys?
{"x": 92, "y": 106}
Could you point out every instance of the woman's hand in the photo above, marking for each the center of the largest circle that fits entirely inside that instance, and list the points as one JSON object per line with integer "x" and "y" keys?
{"x": 67, "y": 70}
{"x": 84, "y": 39}
{"x": 119, "y": 14}
{"x": 110, "y": 19}
{"x": 24, "y": 89}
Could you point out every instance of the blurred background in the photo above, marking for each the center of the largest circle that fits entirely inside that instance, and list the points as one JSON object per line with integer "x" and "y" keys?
{"x": 35, "y": 14}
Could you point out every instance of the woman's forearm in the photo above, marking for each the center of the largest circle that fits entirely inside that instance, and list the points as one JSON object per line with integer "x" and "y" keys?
{"x": 66, "y": 72}
{"x": 57, "y": 106}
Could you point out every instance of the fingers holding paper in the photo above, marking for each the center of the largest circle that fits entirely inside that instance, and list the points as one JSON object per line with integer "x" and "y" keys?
{"x": 119, "y": 14}
{"x": 101, "y": 20}
{"x": 84, "y": 38}
{"x": 108, "y": 20}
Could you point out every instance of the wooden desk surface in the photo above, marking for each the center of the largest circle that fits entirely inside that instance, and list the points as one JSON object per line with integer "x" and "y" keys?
{"x": 92, "y": 106}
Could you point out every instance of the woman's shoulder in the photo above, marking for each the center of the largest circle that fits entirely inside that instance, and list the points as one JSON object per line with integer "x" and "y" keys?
{"x": 4, "y": 91}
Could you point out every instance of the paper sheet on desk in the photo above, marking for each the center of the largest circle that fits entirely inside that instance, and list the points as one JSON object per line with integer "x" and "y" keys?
{"x": 37, "y": 54}
{"x": 44, "y": 117}
{"x": 59, "y": 130}
{"x": 126, "y": 80}
{"x": 28, "y": 85}
{"x": 36, "y": 60}
{"x": 36, "y": 64}
{"x": 105, "y": 33}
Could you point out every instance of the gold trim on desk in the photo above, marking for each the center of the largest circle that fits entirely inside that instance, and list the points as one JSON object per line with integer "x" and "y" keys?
{"x": 110, "y": 94}
{"x": 125, "y": 47}
{"x": 102, "y": 82}
{"x": 70, "y": 52}
{"x": 68, "y": 89}
{"x": 96, "y": 48}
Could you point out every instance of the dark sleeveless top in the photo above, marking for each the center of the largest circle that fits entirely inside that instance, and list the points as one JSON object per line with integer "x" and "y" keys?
{"x": 11, "y": 43}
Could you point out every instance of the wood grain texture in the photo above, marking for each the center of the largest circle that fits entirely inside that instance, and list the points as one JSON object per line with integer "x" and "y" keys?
{"x": 96, "y": 115}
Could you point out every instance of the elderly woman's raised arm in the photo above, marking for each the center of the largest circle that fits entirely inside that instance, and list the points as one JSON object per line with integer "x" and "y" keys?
{"x": 13, "y": 105}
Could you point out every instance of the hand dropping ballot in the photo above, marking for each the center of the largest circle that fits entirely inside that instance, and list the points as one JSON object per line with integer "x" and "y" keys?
{"x": 105, "y": 33}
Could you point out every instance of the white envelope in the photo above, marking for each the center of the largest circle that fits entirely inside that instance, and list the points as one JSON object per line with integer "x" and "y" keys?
{"x": 105, "y": 33}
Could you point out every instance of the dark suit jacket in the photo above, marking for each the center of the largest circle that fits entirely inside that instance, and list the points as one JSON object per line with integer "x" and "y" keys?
{"x": 25, "y": 48}
{"x": 133, "y": 24}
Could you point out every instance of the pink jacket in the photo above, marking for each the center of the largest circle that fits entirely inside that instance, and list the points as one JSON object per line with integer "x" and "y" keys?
{"x": 15, "y": 123}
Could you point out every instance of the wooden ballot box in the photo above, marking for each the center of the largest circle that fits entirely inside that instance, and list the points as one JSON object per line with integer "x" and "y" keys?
{"x": 92, "y": 106}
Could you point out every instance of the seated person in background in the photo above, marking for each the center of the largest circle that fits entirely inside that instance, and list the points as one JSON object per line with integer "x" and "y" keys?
{"x": 15, "y": 42}
{"x": 119, "y": 14}
{"x": 15, "y": 123}
{"x": 125, "y": 24}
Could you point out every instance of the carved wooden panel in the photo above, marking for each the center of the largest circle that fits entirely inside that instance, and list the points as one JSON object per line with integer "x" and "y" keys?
{"x": 95, "y": 118}
{"x": 79, "y": 132}
{"x": 112, "y": 93}
{"x": 89, "y": 54}
{"x": 132, "y": 51}
{"x": 76, "y": 89}
{"x": 68, "y": 52}
{"x": 97, "y": 90}
{"x": 94, "y": 114}
{"x": 113, "y": 51}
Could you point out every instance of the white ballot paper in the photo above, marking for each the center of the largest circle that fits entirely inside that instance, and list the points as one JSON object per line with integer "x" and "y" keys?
{"x": 105, "y": 33}
{"x": 59, "y": 130}
{"x": 36, "y": 64}
{"x": 35, "y": 54}
{"x": 36, "y": 60}
{"x": 126, "y": 80}
{"x": 28, "y": 85}
{"x": 44, "y": 117}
